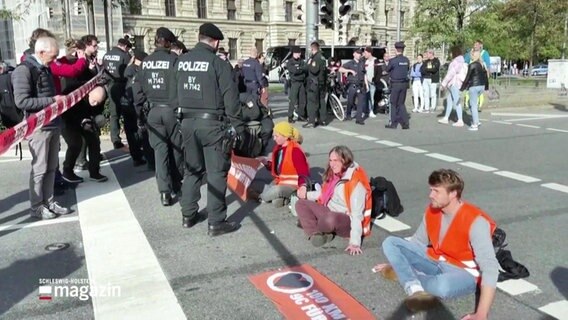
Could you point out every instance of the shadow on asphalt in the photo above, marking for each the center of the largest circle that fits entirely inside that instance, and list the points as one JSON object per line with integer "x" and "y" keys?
{"x": 559, "y": 277}
{"x": 12, "y": 200}
{"x": 559, "y": 107}
{"x": 440, "y": 313}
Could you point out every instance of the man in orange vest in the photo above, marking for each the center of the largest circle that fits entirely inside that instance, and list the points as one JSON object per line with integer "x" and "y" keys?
{"x": 450, "y": 254}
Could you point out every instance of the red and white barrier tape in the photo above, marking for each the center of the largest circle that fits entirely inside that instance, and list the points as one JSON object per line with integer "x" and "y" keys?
{"x": 36, "y": 121}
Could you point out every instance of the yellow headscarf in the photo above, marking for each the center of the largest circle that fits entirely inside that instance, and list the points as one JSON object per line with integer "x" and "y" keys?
{"x": 287, "y": 130}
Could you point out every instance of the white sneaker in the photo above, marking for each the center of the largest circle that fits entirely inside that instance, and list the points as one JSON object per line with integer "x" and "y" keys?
{"x": 444, "y": 121}
{"x": 415, "y": 110}
{"x": 473, "y": 127}
{"x": 372, "y": 115}
{"x": 424, "y": 111}
{"x": 458, "y": 124}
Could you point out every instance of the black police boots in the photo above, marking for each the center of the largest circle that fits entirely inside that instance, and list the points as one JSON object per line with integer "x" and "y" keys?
{"x": 166, "y": 199}
{"x": 222, "y": 228}
{"x": 188, "y": 222}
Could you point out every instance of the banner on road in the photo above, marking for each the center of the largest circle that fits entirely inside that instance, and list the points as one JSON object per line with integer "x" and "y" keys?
{"x": 302, "y": 292}
{"x": 242, "y": 172}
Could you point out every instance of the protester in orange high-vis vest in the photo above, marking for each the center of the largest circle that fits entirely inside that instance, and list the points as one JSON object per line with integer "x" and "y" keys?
{"x": 449, "y": 255}
{"x": 343, "y": 205}
{"x": 289, "y": 165}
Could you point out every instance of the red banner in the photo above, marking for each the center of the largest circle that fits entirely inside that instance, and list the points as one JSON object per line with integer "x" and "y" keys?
{"x": 36, "y": 121}
{"x": 241, "y": 174}
{"x": 303, "y": 293}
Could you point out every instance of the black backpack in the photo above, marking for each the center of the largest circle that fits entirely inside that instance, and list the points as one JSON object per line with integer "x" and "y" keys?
{"x": 510, "y": 269}
{"x": 385, "y": 198}
{"x": 9, "y": 113}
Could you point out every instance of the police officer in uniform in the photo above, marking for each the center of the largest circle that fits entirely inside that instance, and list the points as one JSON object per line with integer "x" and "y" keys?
{"x": 315, "y": 87}
{"x": 357, "y": 85}
{"x": 253, "y": 73}
{"x": 297, "y": 69}
{"x": 115, "y": 62}
{"x": 157, "y": 78}
{"x": 398, "y": 68}
{"x": 208, "y": 103}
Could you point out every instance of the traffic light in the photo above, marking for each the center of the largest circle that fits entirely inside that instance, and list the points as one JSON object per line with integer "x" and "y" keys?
{"x": 326, "y": 13}
{"x": 50, "y": 12}
{"x": 344, "y": 8}
{"x": 300, "y": 13}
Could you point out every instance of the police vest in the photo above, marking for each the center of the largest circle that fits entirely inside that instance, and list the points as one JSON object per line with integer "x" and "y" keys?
{"x": 455, "y": 248}
{"x": 288, "y": 174}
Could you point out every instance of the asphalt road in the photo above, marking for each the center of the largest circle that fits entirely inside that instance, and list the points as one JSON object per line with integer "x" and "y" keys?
{"x": 514, "y": 168}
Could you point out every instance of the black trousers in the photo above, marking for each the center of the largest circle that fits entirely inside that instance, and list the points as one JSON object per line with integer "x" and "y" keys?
{"x": 165, "y": 139}
{"x": 398, "y": 100}
{"x": 297, "y": 98}
{"x": 131, "y": 130}
{"x": 116, "y": 92}
{"x": 74, "y": 135}
{"x": 202, "y": 140}
{"x": 356, "y": 94}
{"x": 316, "y": 102}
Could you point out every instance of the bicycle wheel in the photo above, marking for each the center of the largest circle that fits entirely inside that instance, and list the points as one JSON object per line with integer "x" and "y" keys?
{"x": 336, "y": 106}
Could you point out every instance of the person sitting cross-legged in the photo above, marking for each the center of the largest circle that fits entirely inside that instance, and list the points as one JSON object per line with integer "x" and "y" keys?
{"x": 449, "y": 255}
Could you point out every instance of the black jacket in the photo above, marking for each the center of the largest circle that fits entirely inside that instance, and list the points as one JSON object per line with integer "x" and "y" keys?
{"x": 476, "y": 76}
{"x": 431, "y": 70}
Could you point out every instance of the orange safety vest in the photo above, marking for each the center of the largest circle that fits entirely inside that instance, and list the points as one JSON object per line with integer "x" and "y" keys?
{"x": 455, "y": 248}
{"x": 359, "y": 175}
{"x": 288, "y": 173}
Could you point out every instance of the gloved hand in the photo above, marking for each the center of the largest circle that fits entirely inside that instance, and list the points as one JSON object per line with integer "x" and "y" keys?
{"x": 87, "y": 125}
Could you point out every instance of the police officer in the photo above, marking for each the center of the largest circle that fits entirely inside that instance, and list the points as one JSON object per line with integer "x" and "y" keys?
{"x": 315, "y": 87}
{"x": 253, "y": 73}
{"x": 208, "y": 102}
{"x": 297, "y": 69}
{"x": 356, "y": 85}
{"x": 157, "y": 78}
{"x": 178, "y": 48}
{"x": 398, "y": 68}
{"x": 115, "y": 62}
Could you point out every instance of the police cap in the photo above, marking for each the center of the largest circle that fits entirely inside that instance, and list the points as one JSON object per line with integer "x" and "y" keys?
{"x": 210, "y": 30}
{"x": 222, "y": 51}
{"x": 399, "y": 45}
{"x": 140, "y": 55}
{"x": 165, "y": 34}
{"x": 296, "y": 49}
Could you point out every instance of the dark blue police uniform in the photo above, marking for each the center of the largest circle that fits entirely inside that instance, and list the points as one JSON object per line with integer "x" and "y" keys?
{"x": 356, "y": 90}
{"x": 398, "y": 68}
{"x": 252, "y": 73}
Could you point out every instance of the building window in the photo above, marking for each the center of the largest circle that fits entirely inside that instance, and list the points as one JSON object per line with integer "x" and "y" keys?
{"x": 132, "y": 7}
{"x": 257, "y": 10}
{"x": 139, "y": 43}
{"x": 231, "y": 10}
{"x": 387, "y": 17}
{"x": 289, "y": 11}
{"x": 78, "y": 8}
{"x": 233, "y": 48}
{"x": 259, "y": 45}
{"x": 374, "y": 42}
{"x": 402, "y": 19}
{"x": 170, "y": 8}
{"x": 202, "y": 9}
{"x": 291, "y": 42}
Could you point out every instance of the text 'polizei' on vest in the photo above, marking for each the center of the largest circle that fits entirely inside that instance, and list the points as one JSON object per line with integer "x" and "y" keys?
{"x": 196, "y": 66}
{"x": 153, "y": 65}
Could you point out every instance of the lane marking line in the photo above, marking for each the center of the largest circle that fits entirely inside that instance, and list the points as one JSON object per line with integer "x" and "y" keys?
{"x": 443, "y": 157}
{"x": 501, "y": 122}
{"x": 477, "y": 166}
{"x": 330, "y": 128}
{"x": 541, "y": 115}
{"x": 117, "y": 253}
{"x": 40, "y": 223}
{"x": 528, "y": 126}
{"x": 557, "y": 130}
{"x": 516, "y": 176}
{"x": 368, "y": 138}
{"x": 348, "y": 133}
{"x": 558, "y": 309}
{"x": 390, "y": 224}
{"x": 516, "y": 287}
{"x": 556, "y": 186}
{"x": 413, "y": 149}
{"x": 389, "y": 143}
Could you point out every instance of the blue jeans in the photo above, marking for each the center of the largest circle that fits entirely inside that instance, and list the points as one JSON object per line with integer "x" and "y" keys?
{"x": 453, "y": 101}
{"x": 413, "y": 267}
{"x": 474, "y": 93}
{"x": 371, "y": 97}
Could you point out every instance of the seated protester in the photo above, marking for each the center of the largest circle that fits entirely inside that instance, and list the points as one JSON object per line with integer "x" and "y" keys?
{"x": 289, "y": 165}
{"x": 450, "y": 254}
{"x": 342, "y": 207}
{"x": 78, "y": 126}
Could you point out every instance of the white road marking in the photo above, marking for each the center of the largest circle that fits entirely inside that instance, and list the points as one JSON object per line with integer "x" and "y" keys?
{"x": 389, "y": 143}
{"x": 477, "y": 166}
{"x": 38, "y": 223}
{"x": 368, "y": 138}
{"x": 348, "y": 133}
{"x": 118, "y": 254}
{"x": 517, "y": 176}
{"x": 10, "y": 155}
{"x": 528, "y": 126}
{"x": 328, "y": 128}
{"x": 556, "y": 186}
{"x": 412, "y": 149}
{"x": 541, "y": 115}
{"x": 501, "y": 122}
{"x": 558, "y": 309}
{"x": 443, "y": 157}
{"x": 557, "y": 130}
{"x": 390, "y": 224}
{"x": 516, "y": 287}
